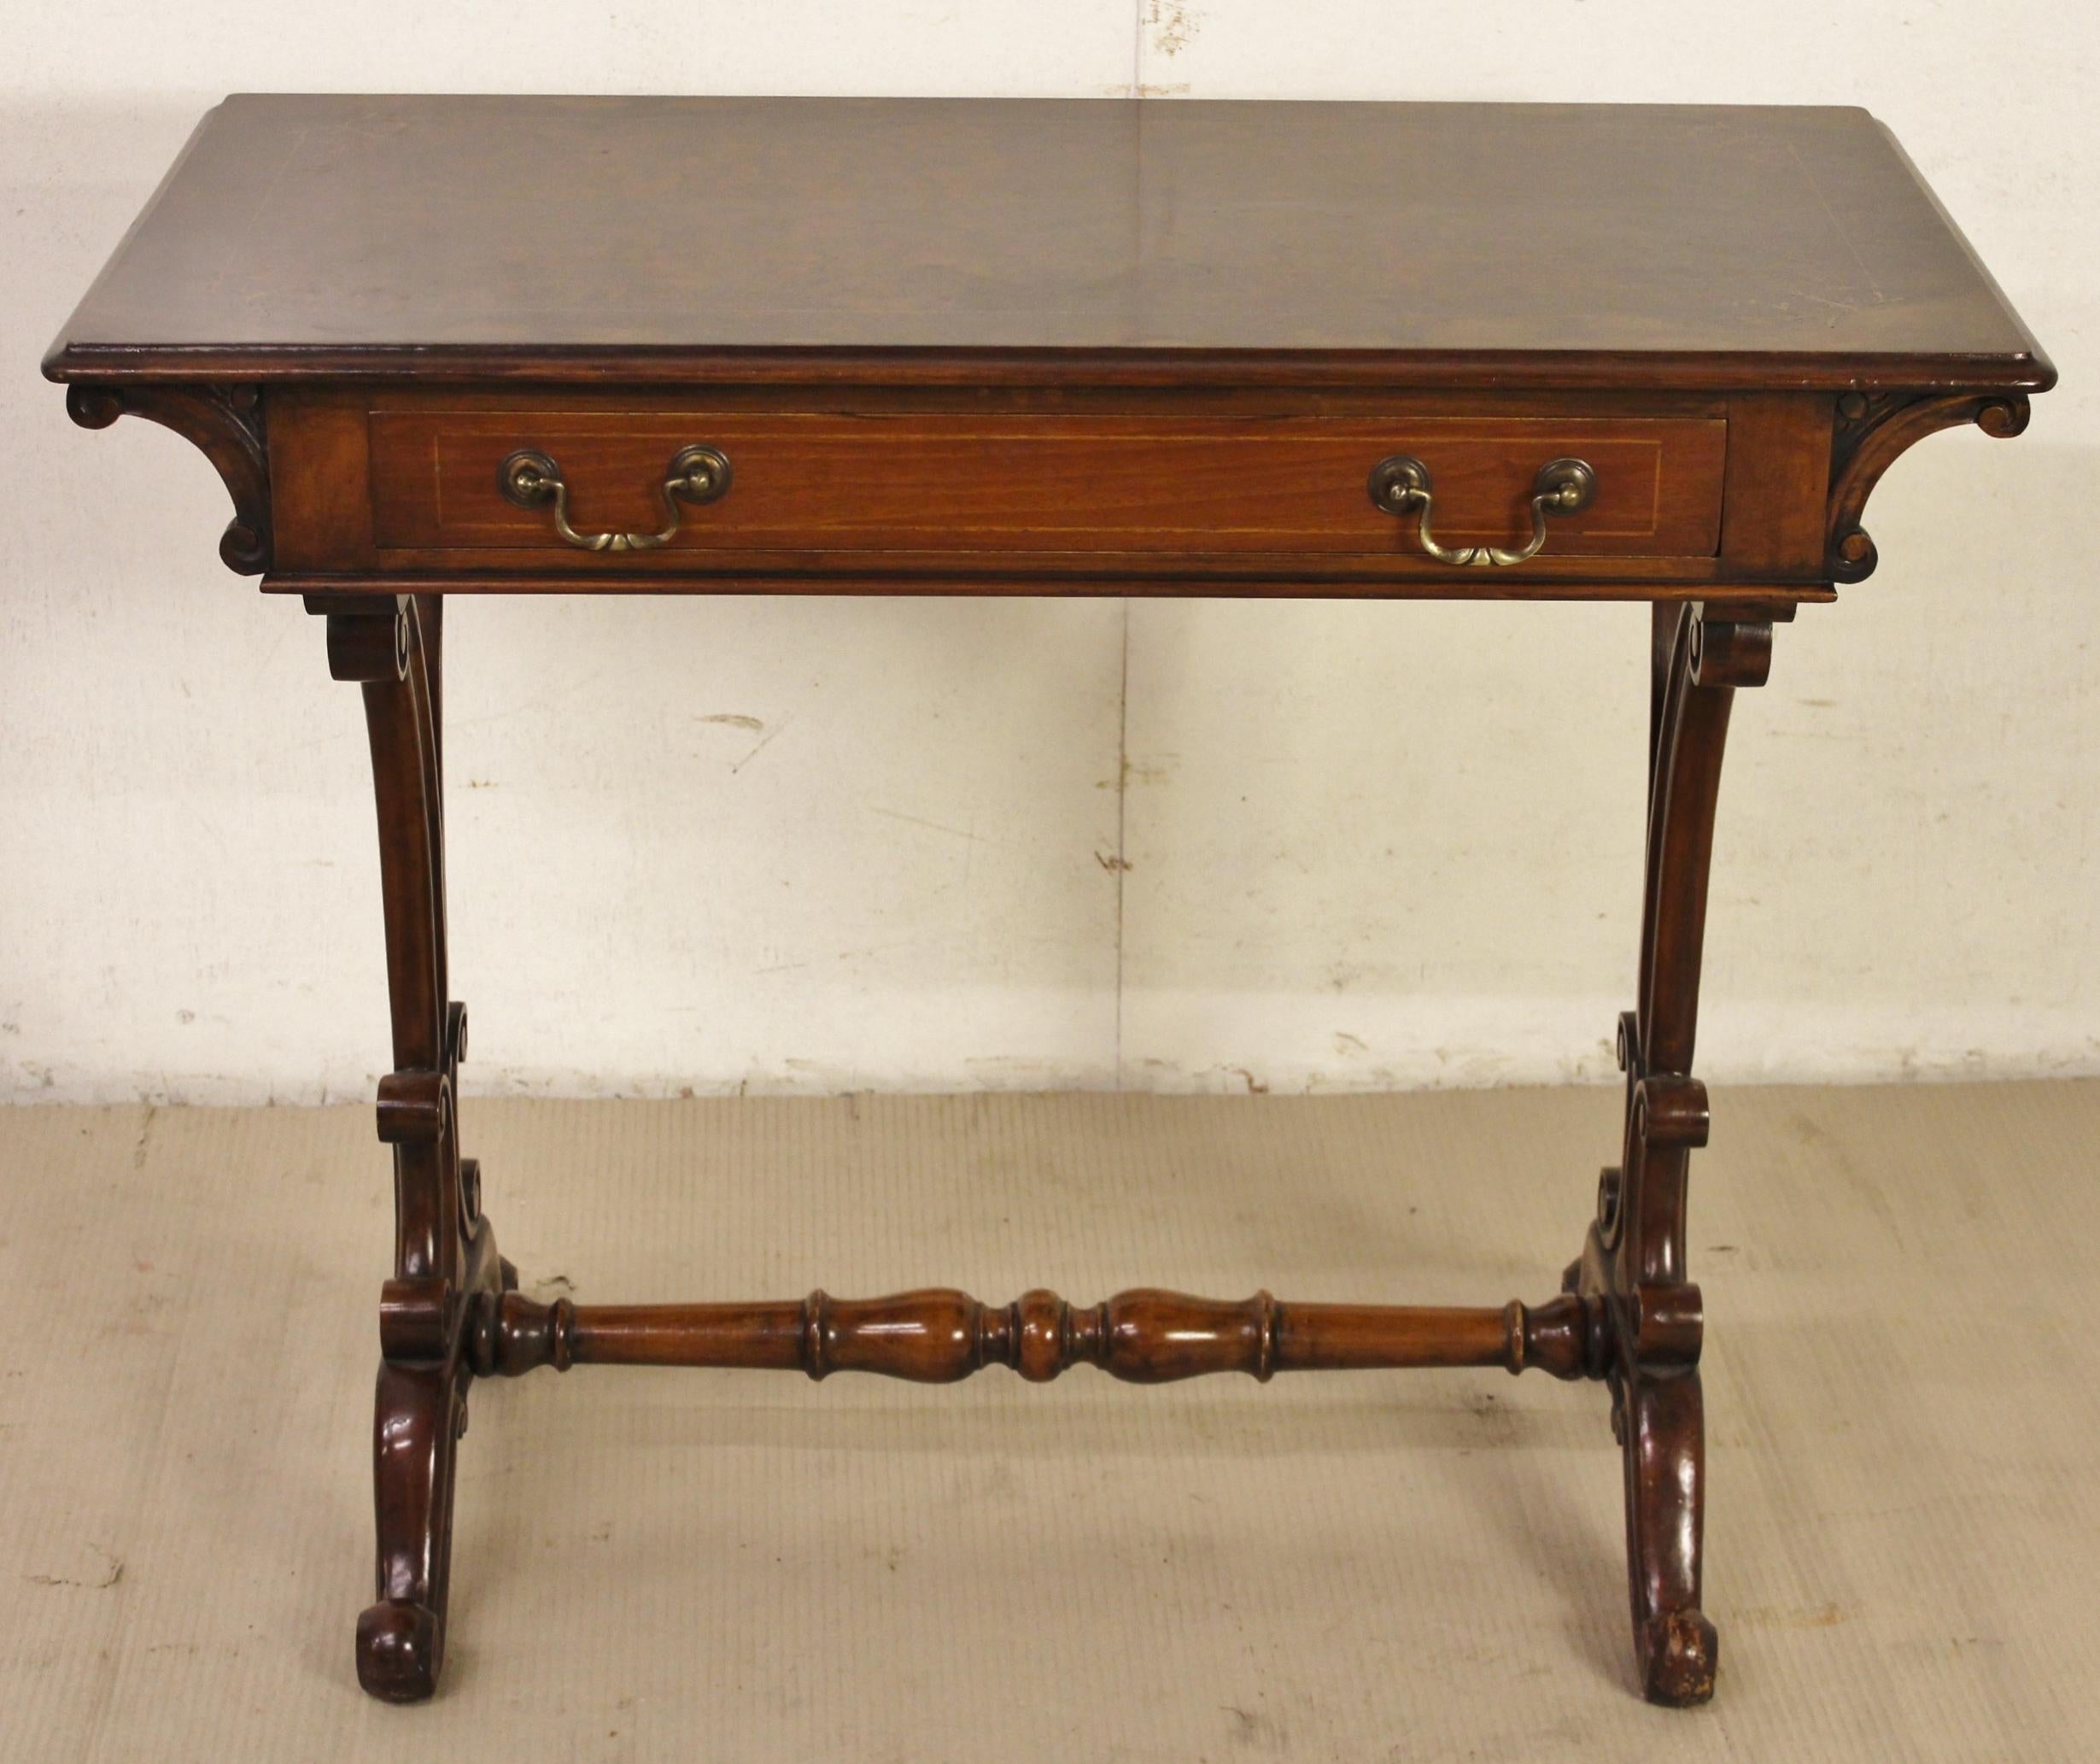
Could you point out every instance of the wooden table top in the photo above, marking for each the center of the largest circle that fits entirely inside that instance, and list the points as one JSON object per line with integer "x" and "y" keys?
{"x": 309, "y": 236}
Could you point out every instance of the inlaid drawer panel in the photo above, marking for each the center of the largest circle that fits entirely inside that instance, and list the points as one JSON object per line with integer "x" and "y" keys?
{"x": 826, "y": 483}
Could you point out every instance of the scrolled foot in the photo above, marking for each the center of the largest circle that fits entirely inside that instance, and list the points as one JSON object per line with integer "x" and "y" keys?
{"x": 1679, "y": 1651}
{"x": 1662, "y": 1425}
{"x": 400, "y": 1647}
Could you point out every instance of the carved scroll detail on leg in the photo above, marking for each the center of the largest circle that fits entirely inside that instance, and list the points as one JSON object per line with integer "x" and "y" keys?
{"x": 446, "y": 1260}
{"x": 937, "y": 1335}
{"x": 1633, "y": 1264}
{"x": 392, "y": 652}
{"x": 226, "y": 423}
{"x": 1872, "y": 430}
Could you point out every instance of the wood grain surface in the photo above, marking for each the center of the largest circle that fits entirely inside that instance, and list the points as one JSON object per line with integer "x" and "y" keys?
{"x": 1780, "y": 246}
{"x": 831, "y": 482}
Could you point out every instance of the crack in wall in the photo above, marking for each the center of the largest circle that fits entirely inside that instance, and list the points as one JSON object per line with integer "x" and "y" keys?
{"x": 1121, "y": 868}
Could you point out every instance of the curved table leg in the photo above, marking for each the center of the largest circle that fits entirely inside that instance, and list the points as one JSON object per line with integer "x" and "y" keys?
{"x": 1644, "y": 1327}
{"x": 1633, "y": 1261}
{"x": 445, "y": 1253}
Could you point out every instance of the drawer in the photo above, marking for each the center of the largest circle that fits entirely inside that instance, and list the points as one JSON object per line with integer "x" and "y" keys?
{"x": 835, "y": 488}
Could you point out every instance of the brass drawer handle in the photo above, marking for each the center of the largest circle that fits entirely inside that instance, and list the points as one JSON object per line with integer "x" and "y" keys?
{"x": 532, "y": 480}
{"x": 1402, "y": 482}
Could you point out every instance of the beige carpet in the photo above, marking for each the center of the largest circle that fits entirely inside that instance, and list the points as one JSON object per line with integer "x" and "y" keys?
{"x": 1902, "y": 1382}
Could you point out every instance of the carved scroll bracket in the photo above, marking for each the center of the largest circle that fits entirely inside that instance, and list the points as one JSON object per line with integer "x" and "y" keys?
{"x": 1873, "y": 428}
{"x": 226, "y": 423}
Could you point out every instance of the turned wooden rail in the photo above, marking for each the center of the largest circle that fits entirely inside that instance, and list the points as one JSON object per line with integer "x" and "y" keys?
{"x": 937, "y": 1335}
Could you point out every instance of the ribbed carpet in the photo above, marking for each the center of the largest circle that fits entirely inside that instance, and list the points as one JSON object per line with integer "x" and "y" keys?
{"x": 1903, "y": 1395}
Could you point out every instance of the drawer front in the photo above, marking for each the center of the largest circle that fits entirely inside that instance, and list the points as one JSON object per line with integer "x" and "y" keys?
{"x": 820, "y": 484}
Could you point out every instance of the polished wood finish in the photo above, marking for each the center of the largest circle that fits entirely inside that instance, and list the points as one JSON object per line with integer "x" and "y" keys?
{"x": 1094, "y": 491}
{"x": 816, "y": 483}
{"x": 445, "y": 1253}
{"x": 1634, "y": 1263}
{"x": 223, "y": 422}
{"x": 1060, "y": 348}
{"x": 1873, "y": 430}
{"x": 1729, "y": 498}
{"x": 937, "y": 1336}
{"x": 654, "y": 238}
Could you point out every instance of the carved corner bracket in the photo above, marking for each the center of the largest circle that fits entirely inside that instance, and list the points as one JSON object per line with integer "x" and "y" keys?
{"x": 1873, "y": 428}
{"x": 225, "y": 422}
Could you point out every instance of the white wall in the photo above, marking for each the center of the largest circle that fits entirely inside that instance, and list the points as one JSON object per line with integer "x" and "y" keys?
{"x": 820, "y": 844}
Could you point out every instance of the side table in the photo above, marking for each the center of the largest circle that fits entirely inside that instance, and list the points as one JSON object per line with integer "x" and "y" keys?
{"x": 476, "y": 345}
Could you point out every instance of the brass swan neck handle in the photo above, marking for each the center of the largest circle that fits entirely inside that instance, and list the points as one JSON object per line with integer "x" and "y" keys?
{"x": 1400, "y": 482}
{"x": 531, "y": 479}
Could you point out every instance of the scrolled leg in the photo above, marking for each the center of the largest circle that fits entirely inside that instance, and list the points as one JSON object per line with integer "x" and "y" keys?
{"x": 1633, "y": 1265}
{"x": 445, "y": 1254}
{"x": 1629, "y": 1314}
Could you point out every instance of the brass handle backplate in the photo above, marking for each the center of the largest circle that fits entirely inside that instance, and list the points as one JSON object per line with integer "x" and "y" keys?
{"x": 531, "y": 479}
{"x": 1400, "y": 482}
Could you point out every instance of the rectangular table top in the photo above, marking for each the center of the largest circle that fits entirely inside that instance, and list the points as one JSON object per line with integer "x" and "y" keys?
{"x": 302, "y": 237}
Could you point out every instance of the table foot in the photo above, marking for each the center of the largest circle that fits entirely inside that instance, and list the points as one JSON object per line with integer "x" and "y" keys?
{"x": 1678, "y": 1653}
{"x": 400, "y": 1640}
{"x": 1665, "y": 1455}
{"x": 400, "y": 1647}
{"x": 419, "y": 1415}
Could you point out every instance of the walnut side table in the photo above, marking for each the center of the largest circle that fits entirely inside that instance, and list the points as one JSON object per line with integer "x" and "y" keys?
{"x": 483, "y": 345}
